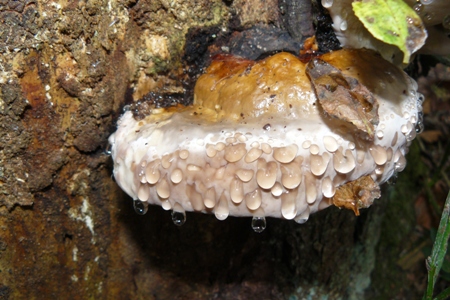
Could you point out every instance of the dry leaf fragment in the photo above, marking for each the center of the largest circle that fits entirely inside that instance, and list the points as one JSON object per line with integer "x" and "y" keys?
{"x": 344, "y": 97}
{"x": 357, "y": 194}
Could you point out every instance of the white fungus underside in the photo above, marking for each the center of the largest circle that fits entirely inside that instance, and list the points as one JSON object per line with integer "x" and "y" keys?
{"x": 190, "y": 180}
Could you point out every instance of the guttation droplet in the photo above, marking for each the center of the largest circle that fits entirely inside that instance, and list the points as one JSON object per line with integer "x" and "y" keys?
{"x": 446, "y": 22}
{"x": 126, "y": 108}
{"x": 258, "y": 224}
{"x": 327, "y": 3}
{"x": 108, "y": 149}
{"x": 178, "y": 214}
{"x": 140, "y": 207}
{"x": 419, "y": 127}
{"x": 178, "y": 217}
{"x": 393, "y": 179}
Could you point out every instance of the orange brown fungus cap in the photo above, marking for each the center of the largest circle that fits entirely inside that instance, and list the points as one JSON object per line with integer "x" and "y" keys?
{"x": 264, "y": 139}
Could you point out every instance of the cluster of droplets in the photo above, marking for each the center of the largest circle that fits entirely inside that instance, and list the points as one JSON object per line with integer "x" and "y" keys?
{"x": 178, "y": 215}
{"x": 343, "y": 25}
{"x": 419, "y": 8}
{"x": 414, "y": 123}
{"x": 419, "y": 124}
{"x": 170, "y": 170}
{"x": 263, "y": 165}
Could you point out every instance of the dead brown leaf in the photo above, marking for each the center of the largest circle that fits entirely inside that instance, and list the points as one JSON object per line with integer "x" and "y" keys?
{"x": 357, "y": 194}
{"x": 344, "y": 97}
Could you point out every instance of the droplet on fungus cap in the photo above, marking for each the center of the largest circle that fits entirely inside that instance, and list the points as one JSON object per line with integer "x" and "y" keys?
{"x": 218, "y": 162}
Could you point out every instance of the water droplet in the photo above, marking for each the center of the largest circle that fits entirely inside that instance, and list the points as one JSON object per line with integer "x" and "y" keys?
{"x": 420, "y": 116}
{"x": 303, "y": 217}
{"x": 126, "y": 108}
{"x": 343, "y": 25}
{"x": 446, "y": 22}
{"x": 178, "y": 215}
{"x": 418, "y": 8}
{"x": 258, "y": 224}
{"x": 166, "y": 205}
{"x": 426, "y": 2}
{"x": 222, "y": 210}
{"x": 379, "y": 170}
{"x": 393, "y": 179}
{"x": 140, "y": 207}
{"x": 327, "y": 3}
{"x": 411, "y": 135}
{"x": 420, "y": 97}
{"x": 301, "y": 220}
{"x": 419, "y": 127}
{"x": 429, "y": 16}
{"x": 380, "y": 134}
{"x": 108, "y": 149}
{"x": 400, "y": 164}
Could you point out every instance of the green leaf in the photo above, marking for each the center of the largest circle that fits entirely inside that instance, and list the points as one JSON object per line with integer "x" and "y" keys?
{"x": 435, "y": 261}
{"x": 446, "y": 264}
{"x": 444, "y": 295}
{"x": 393, "y": 22}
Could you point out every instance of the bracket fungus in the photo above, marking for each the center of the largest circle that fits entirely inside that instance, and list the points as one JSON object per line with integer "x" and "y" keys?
{"x": 274, "y": 138}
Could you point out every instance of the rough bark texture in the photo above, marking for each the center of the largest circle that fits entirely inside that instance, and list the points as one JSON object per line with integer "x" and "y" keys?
{"x": 67, "y": 231}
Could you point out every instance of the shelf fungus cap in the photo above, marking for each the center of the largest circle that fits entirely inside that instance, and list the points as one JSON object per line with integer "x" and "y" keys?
{"x": 273, "y": 138}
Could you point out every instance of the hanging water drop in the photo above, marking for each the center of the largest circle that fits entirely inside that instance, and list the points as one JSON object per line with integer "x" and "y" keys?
{"x": 221, "y": 210}
{"x": 303, "y": 217}
{"x": 429, "y": 16}
{"x": 393, "y": 179}
{"x": 343, "y": 26}
{"x": 301, "y": 220}
{"x": 108, "y": 149}
{"x": 418, "y": 8}
{"x": 420, "y": 98}
{"x": 258, "y": 224}
{"x": 126, "y": 108}
{"x": 419, "y": 127}
{"x": 426, "y": 2}
{"x": 140, "y": 207}
{"x": 327, "y": 3}
{"x": 178, "y": 214}
{"x": 446, "y": 22}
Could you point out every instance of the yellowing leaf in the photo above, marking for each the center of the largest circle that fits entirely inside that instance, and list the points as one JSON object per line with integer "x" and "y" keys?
{"x": 393, "y": 22}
